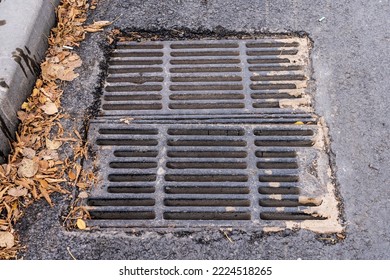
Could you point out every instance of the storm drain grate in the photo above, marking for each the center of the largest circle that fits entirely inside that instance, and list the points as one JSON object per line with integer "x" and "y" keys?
{"x": 211, "y": 133}
{"x": 172, "y": 174}
{"x": 258, "y": 76}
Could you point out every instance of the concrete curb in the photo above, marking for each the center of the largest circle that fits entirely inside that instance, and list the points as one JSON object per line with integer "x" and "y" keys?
{"x": 24, "y": 28}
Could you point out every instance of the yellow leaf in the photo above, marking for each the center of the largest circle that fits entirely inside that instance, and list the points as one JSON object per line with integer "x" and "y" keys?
{"x": 39, "y": 83}
{"x": 35, "y": 92}
{"x": 81, "y": 224}
{"x": 299, "y": 123}
{"x": 25, "y": 106}
{"x": 42, "y": 99}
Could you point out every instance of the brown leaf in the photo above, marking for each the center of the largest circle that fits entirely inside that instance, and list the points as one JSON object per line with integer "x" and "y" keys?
{"x": 3, "y": 192}
{"x": 53, "y": 145}
{"x": 45, "y": 195}
{"x": 23, "y": 183}
{"x": 28, "y": 168}
{"x": 7, "y": 240}
{"x": 82, "y": 185}
{"x": 51, "y": 180}
{"x": 72, "y": 175}
{"x": 78, "y": 170}
{"x": 28, "y": 153}
{"x": 53, "y": 69}
{"x": 49, "y": 155}
{"x": 22, "y": 115}
{"x": 39, "y": 83}
{"x": 18, "y": 191}
{"x": 49, "y": 108}
{"x": 83, "y": 195}
{"x": 34, "y": 192}
{"x": 97, "y": 26}
{"x": 43, "y": 183}
{"x": 43, "y": 164}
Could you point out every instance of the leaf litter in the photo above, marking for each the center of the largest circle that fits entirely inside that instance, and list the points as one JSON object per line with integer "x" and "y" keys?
{"x": 35, "y": 169}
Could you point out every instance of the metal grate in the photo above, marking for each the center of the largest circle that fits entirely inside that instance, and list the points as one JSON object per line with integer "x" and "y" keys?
{"x": 210, "y": 133}
{"x": 213, "y": 77}
{"x": 171, "y": 175}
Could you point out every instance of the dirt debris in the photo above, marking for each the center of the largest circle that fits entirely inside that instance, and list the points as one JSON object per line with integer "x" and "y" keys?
{"x": 35, "y": 169}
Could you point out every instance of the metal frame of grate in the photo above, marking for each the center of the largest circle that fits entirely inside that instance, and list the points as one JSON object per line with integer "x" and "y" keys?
{"x": 194, "y": 175}
{"x": 207, "y": 77}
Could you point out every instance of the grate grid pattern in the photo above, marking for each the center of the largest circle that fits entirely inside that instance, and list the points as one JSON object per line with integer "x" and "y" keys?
{"x": 216, "y": 133}
{"x": 214, "y": 174}
{"x": 210, "y": 77}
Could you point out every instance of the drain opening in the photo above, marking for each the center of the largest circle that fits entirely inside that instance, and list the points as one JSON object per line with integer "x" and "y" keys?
{"x": 122, "y": 215}
{"x": 207, "y": 216}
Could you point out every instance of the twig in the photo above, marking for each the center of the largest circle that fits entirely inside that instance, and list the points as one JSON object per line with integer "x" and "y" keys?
{"x": 228, "y": 238}
{"x": 70, "y": 253}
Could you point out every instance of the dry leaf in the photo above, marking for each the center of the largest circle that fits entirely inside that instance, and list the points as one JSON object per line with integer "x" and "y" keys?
{"x": 34, "y": 192}
{"x": 53, "y": 145}
{"x": 81, "y": 224}
{"x": 7, "y": 240}
{"x": 2, "y": 193}
{"x": 83, "y": 195}
{"x": 39, "y": 83}
{"x": 53, "y": 69}
{"x": 18, "y": 191}
{"x": 72, "y": 175}
{"x": 127, "y": 120}
{"x": 44, "y": 183}
{"x": 49, "y": 108}
{"x": 28, "y": 168}
{"x": 24, "y": 183}
{"x": 35, "y": 92}
{"x": 45, "y": 195}
{"x": 25, "y": 106}
{"x": 48, "y": 155}
{"x": 97, "y": 26}
{"x": 82, "y": 185}
{"x": 28, "y": 153}
{"x": 340, "y": 236}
